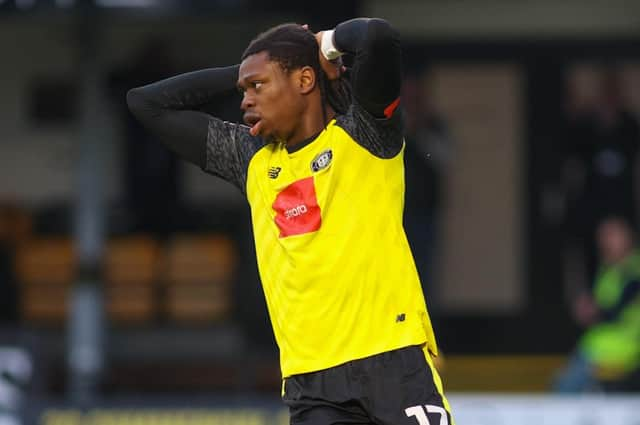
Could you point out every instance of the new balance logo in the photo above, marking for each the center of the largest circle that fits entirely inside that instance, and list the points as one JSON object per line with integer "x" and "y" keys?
{"x": 274, "y": 172}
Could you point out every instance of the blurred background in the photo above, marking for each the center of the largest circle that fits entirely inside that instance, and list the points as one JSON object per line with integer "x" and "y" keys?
{"x": 128, "y": 282}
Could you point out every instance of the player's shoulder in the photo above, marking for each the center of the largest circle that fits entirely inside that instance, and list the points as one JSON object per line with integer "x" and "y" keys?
{"x": 265, "y": 151}
{"x": 382, "y": 137}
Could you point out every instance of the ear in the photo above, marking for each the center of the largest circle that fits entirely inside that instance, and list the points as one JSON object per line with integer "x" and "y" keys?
{"x": 306, "y": 79}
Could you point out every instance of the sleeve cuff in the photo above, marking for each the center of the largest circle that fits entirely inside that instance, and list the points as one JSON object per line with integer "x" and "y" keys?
{"x": 327, "y": 47}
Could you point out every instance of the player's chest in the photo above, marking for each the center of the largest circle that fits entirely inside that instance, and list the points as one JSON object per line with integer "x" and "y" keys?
{"x": 294, "y": 190}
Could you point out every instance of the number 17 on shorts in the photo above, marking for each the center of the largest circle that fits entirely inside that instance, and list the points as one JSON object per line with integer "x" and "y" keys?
{"x": 420, "y": 413}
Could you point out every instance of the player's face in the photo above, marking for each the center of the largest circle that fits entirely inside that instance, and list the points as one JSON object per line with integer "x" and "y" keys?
{"x": 271, "y": 103}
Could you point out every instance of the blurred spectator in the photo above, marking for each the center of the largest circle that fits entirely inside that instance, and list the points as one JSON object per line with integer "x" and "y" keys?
{"x": 152, "y": 173}
{"x": 608, "y": 354}
{"x": 599, "y": 171}
{"x": 427, "y": 156}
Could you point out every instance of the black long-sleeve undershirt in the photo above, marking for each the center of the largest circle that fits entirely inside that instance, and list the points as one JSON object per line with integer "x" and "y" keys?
{"x": 170, "y": 108}
{"x": 376, "y": 75}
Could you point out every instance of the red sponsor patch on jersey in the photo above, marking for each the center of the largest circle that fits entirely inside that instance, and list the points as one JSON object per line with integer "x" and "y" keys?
{"x": 297, "y": 210}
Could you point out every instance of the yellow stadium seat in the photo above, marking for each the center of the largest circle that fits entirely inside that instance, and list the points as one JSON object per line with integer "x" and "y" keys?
{"x": 198, "y": 276}
{"x": 45, "y": 269}
{"x": 518, "y": 373}
{"x": 130, "y": 275}
{"x": 15, "y": 224}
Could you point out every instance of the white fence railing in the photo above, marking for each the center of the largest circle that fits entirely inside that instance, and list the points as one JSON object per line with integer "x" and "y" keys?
{"x": 545, "y": 410}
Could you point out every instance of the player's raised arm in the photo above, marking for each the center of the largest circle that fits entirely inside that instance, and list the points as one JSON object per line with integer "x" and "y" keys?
{"x": 376, "y": 75}
{"x": 169, "y": 110}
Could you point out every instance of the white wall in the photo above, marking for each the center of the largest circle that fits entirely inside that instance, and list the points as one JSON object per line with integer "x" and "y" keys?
{"x": 482, "y": 230}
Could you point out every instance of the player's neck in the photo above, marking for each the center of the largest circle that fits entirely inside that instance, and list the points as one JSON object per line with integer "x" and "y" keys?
{"x": 311, "y": 124}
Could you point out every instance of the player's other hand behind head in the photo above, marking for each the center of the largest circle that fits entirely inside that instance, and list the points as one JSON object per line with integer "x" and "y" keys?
{"x": 332, "y": 68}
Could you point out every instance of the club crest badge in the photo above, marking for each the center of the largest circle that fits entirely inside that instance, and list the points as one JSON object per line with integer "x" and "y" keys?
{"x": 322, "y": 160}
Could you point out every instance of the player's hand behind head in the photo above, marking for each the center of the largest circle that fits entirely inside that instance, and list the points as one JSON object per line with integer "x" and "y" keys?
{"x": 333, "y": 69}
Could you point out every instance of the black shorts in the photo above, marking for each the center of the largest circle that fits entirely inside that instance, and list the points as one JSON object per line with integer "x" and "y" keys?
{"x": 393, "y": 388}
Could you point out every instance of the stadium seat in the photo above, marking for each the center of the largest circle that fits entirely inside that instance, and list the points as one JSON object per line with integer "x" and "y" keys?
{"x": 198, "y": 276}
{"x": 500, "y": 373}
{"x": 15, "y": 224}
{"x": 131, "y": 273}
{"x": 45, "y": 269}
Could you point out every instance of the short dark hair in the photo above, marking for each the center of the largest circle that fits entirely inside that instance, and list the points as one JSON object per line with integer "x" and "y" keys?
{"x": 293, "y": 47}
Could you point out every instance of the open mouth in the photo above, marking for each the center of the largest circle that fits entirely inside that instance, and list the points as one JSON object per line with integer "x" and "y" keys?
{"x": 251, "y": 119}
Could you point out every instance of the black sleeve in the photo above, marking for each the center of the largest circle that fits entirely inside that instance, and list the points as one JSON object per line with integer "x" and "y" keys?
{"x": 376, "y": 74}
{"x": 169, "y": 109}
{"x": 373, "y": 119}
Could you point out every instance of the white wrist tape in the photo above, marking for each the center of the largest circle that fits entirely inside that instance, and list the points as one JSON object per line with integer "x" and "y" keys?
{"x": 327, "y": 47}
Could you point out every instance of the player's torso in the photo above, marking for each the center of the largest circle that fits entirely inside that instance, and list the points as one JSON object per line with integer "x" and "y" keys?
{"x": 336, "y": 268}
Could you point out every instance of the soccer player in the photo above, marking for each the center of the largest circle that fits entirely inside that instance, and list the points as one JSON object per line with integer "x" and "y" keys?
{"x": 320, "y": 161}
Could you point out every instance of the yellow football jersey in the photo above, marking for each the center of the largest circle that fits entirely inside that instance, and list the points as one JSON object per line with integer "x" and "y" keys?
{"x": 336, "y": 268}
